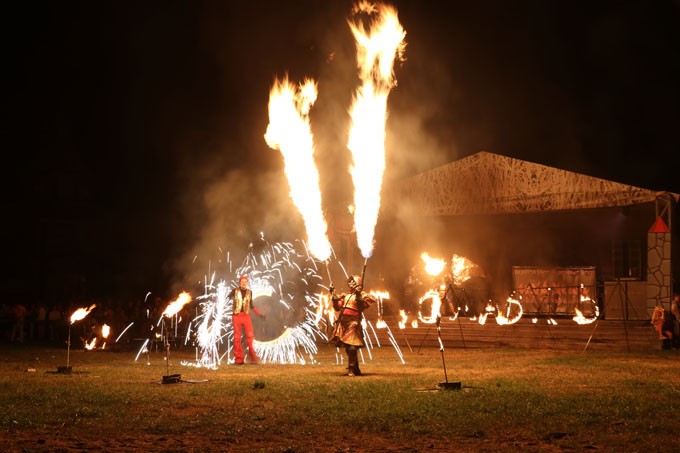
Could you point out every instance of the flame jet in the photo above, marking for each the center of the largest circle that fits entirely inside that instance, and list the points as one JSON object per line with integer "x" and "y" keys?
{"x": 378, "y": 45}
{"x": 289, "y": 132}
{"x": 176, "y": 305}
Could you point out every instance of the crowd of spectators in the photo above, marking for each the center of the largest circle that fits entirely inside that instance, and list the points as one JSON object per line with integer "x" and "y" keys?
{"x": 48, "y": 323}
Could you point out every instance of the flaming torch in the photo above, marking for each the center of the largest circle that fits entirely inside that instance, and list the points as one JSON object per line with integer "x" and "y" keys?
{"x": 378, "y": 43}
{"x": 77, "y": 315}
{"x": 434, "y": 267}
{"x": 106, "y": 330}
{"x": 171, "y": 310}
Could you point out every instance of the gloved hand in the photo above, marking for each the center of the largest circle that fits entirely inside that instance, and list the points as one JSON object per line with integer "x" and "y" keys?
{"x": 331, "y": 289}
{"x": 358, "y": 289}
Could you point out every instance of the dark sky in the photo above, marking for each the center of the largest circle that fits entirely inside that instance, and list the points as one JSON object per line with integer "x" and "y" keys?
{"x": 135, "y": 132}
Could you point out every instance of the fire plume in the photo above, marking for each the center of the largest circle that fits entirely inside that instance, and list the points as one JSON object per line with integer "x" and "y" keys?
{"x": 378, "y": 45}
{"x": 289, "y": 131}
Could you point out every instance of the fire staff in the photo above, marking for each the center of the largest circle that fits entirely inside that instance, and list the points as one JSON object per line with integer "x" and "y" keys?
{"x": 243, "y": 303}
{"x": 348, "y": 331}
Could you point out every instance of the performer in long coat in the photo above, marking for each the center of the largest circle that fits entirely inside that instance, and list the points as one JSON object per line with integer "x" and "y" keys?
{"x": 348, "y": 331}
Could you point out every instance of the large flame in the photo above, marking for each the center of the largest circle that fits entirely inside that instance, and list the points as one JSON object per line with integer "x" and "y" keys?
{"x": 461, "y": 269}
{"x": 289, "y": 132}
{"x": 433, "y": 266}
{"x": 378, "y": 46}
{"x": 81, "y": 313}
{"x": 176, "y": 305}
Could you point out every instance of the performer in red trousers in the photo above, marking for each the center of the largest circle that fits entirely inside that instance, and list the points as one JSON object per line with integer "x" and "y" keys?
{"x": 243, "y": 303}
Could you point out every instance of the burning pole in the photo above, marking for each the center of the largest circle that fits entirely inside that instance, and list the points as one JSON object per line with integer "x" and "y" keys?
{"x": 171, "y": 310}
{"x": 434, "y": 267}
{"x": 77, "y": 315}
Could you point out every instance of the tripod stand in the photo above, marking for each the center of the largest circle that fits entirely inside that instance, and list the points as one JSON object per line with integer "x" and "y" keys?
{"x": 625, "y": 303}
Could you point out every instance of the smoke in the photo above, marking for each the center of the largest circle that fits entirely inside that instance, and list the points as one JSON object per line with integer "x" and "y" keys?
{"x": 245, "y": 208}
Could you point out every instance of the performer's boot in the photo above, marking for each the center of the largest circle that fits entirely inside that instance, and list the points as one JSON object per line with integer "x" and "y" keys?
{"x": 352, "y": 362}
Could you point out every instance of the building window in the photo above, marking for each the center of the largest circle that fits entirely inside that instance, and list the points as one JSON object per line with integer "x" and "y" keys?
{"x": 627, "y": 258}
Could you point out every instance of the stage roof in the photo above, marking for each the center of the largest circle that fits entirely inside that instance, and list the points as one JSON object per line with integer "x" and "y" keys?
{"x": 488, "y": 183}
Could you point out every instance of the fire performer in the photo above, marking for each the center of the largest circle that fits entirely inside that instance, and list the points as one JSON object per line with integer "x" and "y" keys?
{"x": 243, "y": 303}
{"x": 348, "y": 331}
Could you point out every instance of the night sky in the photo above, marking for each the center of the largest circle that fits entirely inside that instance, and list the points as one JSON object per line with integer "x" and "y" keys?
{"x": 135, "y": 129}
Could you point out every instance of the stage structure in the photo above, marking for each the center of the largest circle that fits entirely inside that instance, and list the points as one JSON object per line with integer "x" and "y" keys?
{"x": 554, "y": 291}
{"x": 490, "y": 184}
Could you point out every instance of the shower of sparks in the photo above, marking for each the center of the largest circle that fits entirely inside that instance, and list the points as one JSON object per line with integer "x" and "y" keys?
{"x": 143, "y": 349}
{"x": 289, "y": 131}
{"x": 211, "y": 325}
{"x": 123, "y": 332}
{"x": 285, "y": 348}
{"x": 283, "y": 275}
{"x": 378, "y": 45}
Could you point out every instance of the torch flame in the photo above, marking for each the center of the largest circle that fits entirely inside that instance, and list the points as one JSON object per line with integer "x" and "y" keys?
{"x": 176, "y": 305}
{"x": 510, "y": 316}
{"x": 580, "y": 318}
{"x": 106, "y": 329}
{"x": 81, "y": 313}
{"x": 289, "y": 131}
{"x": 435, "y": 307}
{"x": 404, "y": 318}
{"x": 377, "y": 48}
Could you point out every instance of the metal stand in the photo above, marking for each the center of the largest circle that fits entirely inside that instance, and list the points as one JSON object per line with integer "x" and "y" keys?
{"x": 169, "y": 378}
{"x": 66, "y": 369}
{"x": 445, "y": 385}
{"x": 623, "y": 293}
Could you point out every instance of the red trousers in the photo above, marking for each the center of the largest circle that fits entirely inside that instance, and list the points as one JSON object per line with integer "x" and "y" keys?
{"x": 241, "y": 321}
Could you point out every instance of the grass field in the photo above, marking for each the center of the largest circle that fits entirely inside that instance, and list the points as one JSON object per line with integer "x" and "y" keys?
{"x": 510, "y": 400}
